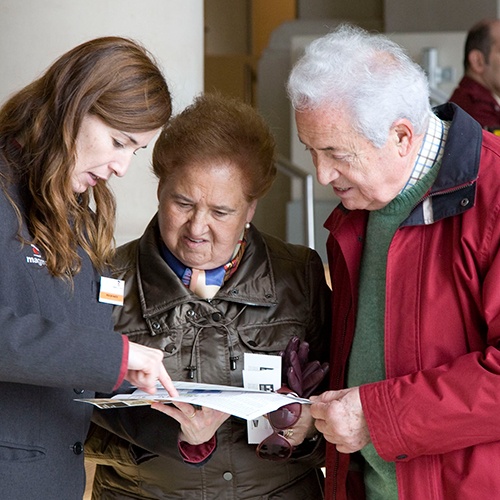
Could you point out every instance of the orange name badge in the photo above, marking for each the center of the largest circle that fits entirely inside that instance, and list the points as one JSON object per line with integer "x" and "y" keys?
{"x": 111, "y": 291}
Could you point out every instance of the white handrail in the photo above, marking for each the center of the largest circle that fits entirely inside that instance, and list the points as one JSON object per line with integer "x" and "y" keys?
{"x": 286, "y": 167}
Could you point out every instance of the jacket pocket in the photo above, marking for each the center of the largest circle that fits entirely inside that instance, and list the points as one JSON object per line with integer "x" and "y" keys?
{"x": 269, "y": 338}
{"x": 105, "y": 448}
{"x": 14, "y": 452}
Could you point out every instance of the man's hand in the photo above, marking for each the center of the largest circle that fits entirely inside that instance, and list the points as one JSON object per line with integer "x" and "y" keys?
{"x": 340, "y": 418}
{"x": 145, "y": 369}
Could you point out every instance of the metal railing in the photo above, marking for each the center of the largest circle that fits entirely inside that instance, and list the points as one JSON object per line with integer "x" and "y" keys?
{"x": 286, "y": 167}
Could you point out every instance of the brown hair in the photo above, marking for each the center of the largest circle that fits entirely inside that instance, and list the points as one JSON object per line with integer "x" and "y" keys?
{"x": 218, "y": 128}
{"x": 479, "y": 38}
{"x": 113, "y": 78}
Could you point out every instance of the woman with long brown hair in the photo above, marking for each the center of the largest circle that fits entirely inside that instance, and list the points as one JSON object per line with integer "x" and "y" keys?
{"x": 61, "y": 138}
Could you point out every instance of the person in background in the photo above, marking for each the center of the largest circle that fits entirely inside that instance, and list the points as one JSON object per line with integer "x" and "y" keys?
{"x": 61, "y": 138}
{"x": 414, "y": 261}
{"x": 206, "y": 286}
{"x": 478, "y": 92}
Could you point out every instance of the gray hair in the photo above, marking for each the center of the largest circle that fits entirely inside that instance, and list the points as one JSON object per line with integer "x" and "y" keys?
{"x": 369, "y": 75}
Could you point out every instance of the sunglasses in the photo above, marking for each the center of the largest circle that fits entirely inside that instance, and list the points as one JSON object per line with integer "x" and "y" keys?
{"x": 276, "y": 447}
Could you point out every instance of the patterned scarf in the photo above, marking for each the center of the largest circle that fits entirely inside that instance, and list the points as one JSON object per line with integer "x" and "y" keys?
{"x": 205, "y": 282}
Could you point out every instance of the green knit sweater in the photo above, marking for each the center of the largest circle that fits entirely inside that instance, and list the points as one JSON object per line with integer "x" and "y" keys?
{"x": 366, "y": 362}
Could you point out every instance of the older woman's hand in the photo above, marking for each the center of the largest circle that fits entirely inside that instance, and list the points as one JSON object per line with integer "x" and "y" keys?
{"x": 197, "y": 425}
{"x": 303, "y": 429}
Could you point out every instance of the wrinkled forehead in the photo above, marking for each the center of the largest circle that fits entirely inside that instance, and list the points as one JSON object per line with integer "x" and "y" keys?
{"x": 323, "y": 122}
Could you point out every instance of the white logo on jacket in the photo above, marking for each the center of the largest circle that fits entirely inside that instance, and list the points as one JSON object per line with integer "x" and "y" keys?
{"x": 36, "y": 258}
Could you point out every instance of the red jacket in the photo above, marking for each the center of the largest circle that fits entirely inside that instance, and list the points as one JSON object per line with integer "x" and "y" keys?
{"x": 437, "y": 415}
{"x": 478, "y": 101}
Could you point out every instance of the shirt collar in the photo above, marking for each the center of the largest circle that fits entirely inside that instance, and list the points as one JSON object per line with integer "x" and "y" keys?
{"x": 431, "y": 150}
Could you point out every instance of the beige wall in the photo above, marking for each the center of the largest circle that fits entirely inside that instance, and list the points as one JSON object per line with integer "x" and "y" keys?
{"x": 436, "y": 15}
{"x": 227, "y": 27}
{"x": 266, "y": 17}
{"x": 337, "y": 9}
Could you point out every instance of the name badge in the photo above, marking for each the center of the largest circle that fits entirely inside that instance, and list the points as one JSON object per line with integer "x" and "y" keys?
{"x": 111, "y": 291}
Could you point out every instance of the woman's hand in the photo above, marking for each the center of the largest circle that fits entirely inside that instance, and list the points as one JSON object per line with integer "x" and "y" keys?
{"x": 197, "y": 425}
{"x": 303, "y": 429}
{"x": 145, "y": 368}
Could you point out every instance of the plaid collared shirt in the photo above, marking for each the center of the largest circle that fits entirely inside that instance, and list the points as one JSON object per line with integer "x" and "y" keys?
{"x": 431, "y": 151}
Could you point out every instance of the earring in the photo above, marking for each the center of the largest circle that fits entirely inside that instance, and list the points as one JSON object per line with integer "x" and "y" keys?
{"x": 247, "y": 225}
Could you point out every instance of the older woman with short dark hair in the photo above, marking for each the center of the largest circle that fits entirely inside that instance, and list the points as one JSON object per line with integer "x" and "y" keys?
{"x": 206, "y": 286}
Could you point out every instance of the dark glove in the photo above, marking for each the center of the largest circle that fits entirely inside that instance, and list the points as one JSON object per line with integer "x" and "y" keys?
{"x": 302, "y": 376}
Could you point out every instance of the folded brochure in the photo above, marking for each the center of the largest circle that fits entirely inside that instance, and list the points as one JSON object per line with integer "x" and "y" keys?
{"x": 244, "y": 403}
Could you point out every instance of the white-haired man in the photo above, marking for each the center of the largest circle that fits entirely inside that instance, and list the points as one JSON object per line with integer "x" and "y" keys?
{"x": 415, "y": 270}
